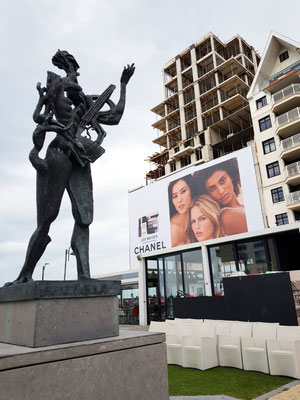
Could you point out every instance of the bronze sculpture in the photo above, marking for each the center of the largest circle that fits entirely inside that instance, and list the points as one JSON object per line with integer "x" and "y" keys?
{"x": 63, "y": 108}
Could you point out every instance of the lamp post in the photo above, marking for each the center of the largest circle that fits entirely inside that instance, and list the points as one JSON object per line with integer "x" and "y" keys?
{"x": 68, "y": 253}
{"x": 43, "y": 270}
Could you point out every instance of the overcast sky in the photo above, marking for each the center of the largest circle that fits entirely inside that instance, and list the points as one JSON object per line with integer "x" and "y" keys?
{"x": 103, "y": 36}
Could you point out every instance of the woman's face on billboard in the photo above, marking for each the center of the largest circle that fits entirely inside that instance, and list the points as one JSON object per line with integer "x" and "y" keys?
{"x": 181, "y": 196}
{"x": 220, "y": 187}
{"x": 202, "y": 226}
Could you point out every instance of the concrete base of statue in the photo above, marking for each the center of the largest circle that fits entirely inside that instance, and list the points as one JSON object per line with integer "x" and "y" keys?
{"x": 45, "y": 313}
{"x": 131, "y": 366}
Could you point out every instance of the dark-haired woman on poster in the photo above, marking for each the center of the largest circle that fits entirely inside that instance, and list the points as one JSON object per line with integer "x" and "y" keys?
{"x": 222, "y": 183}
{"x": 180, "y": 198}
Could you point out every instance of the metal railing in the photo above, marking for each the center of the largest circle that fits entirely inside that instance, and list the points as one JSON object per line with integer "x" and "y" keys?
{"x": 292, "y": 169}
{"x": 293, "y": 198}
{"x": 290, "y": 142}
{"x": 287, "y": 91}
{"x": 288, "y": 116}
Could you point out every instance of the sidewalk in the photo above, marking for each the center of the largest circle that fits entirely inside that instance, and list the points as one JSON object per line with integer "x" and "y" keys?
{"x": 291, "y": 391}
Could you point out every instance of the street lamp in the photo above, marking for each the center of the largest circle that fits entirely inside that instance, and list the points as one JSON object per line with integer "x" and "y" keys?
{"x": 43, "y": 270}
{"x": 68, "y": 253}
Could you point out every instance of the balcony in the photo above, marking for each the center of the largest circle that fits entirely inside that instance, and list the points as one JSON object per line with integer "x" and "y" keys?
{"x": 286, "y": 99}
{"x": 160, "y": 125}
{"x": 288, "y": 123}
{"x": 292, "y": 173}
{"x": 293, "y": 200}
{"x": 290, "y": 147}
{"x": 282, "y": 79}
{"x": 183, "y": 151}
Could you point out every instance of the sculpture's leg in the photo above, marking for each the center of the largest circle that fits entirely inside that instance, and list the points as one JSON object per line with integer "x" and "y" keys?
{"x": 80, "y": 246}
{"x": 50, "y": 189}
{"x": 81, "y": 194}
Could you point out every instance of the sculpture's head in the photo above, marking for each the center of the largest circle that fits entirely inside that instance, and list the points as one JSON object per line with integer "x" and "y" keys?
{"x": 63, "y": 60}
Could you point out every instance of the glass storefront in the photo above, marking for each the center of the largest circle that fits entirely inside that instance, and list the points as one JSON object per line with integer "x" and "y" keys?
{"x": 182, "y": 273}
{"x": 179, "y": 274}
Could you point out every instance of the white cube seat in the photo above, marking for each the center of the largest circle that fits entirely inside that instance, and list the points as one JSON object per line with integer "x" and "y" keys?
{"x": 254, "y": 349}
{"x": 229, "y": 346}
{"x": 175, "y": 334}
{"x": 284, "y": 353}
{"x": 200, "y": 350}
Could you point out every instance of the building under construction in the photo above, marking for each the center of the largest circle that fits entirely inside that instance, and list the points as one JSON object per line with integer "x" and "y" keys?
{"x": 205, "y": 113}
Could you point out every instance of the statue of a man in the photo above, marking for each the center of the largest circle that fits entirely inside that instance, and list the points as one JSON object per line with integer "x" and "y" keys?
{"x": 65, "y": 109}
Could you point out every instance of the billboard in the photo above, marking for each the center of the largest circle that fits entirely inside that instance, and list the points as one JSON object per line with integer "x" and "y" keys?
{"x": 204, "y": 202}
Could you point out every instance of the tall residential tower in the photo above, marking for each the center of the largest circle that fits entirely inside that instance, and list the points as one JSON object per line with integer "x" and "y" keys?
{"x": 205, "y": 112}
{"x": 275, "y": 108}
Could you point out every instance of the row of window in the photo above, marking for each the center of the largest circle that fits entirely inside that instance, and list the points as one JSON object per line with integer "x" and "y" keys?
{"x": 269, "y": 146}
{"x": 263, "y": 100}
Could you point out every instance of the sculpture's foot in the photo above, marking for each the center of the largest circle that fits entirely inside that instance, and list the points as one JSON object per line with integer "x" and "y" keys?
{"x": 84, "y": 278}
{"x": 19, "y": 281}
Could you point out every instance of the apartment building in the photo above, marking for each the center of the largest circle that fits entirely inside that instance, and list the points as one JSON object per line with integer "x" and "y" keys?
{"x": 223, "y": 106}
{"x": 275, "y": 108}
{"x": 205, "y": 112}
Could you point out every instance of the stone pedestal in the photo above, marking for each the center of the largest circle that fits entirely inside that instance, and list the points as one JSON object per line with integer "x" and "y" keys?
{"x": 45, "y": 313}
{"x": 131, "y": 366}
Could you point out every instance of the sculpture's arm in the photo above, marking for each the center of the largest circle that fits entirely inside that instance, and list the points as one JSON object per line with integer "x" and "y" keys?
{"x": 43, "y": 100}
{"x": 114, "y": 115}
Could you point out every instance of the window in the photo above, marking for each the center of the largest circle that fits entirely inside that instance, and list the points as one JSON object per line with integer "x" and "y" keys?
{"x": 249, "y": 260}
{"x": 284, "y": 56}
{"x": 273, "y": 169}
{"x": 265, "y": 123}
{"x": 185, "y": 161}
{"x": 222, "y": 259}
{"x": 194, "y": 282}
{"x": 277, "y": 195}
{"x": 198, "y": 155}
{"x": 281, "y": 219}
{"x": 297, "y": 215}
{"x": 261, "y": 102}
{"x": 269, "y": 146}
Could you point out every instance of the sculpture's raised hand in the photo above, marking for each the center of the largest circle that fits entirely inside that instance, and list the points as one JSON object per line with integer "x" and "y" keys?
{"x": 127, "y": 73}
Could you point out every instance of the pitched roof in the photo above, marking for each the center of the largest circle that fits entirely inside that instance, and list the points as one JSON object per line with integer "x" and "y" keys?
{"x": 275, "y": 42}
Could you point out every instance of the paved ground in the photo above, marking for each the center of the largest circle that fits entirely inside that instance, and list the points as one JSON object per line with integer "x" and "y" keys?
{"x": 291, "y": 394}
{"x": 291, "y": 391}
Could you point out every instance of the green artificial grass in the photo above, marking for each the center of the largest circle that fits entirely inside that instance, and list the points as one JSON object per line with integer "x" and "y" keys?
{"x": 232, "y": 382}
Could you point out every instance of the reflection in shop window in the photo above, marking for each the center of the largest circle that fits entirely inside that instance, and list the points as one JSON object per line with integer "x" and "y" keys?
{"x": 129, "y": 304}
{"x": 222, "y": 264}
{"x": 152, "y": 283}
{"x": 193, "y": 273}
{"x": 162, "y": 299}
{"x": 173, "y": 277}
{"x": 252, "y": 259}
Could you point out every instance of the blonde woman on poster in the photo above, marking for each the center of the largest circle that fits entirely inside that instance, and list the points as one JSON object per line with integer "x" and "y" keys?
{"x": 205, "y": 221}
